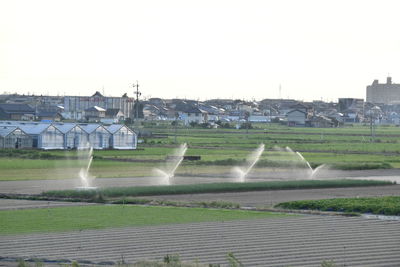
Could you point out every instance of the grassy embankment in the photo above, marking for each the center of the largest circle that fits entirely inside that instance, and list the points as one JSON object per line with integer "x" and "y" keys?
{"x": 220, "y": 150}
{"x": 389, "y": 205}
{"x": 98, "y": 217}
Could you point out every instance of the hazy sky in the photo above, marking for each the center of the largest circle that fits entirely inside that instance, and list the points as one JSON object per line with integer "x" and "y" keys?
{"x": 199, "y": 49}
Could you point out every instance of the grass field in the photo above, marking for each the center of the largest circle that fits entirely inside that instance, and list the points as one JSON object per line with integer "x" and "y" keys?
{"x": 335, "y": 146}
{"x": 98, "y": 217}
{"x": 376, "y": 205}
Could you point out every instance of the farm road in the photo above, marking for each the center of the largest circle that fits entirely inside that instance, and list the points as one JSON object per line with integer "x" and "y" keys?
{"x": 304, "y": 240}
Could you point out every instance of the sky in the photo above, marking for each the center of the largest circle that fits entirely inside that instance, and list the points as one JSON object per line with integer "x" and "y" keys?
{"x": 249, "y": 49}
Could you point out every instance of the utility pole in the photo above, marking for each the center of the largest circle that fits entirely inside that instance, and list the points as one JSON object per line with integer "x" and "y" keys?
{"x": 371, "y": 128}
{"x": 137, "y": 93}
{"x": 176, "y": 125}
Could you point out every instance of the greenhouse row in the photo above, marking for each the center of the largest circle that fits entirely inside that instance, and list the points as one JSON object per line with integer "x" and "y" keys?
{"x": 42, "y": 135}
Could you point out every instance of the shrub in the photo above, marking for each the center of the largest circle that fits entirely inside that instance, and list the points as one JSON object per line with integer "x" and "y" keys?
{"x": 375, "y": 205}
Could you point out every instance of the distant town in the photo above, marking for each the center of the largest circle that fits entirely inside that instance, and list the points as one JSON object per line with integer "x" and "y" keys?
{"x": 382, "y": 106}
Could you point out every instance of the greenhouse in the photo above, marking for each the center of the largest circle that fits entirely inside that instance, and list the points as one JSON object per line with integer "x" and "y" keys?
{"x": 45, "y": 136}
{"x": 14, "y": 137}
{"x": 122, "y": 137}
{"x": 48, "y": 135}
{"x": 74, "y": 136}
{"x": 98, "y": 135}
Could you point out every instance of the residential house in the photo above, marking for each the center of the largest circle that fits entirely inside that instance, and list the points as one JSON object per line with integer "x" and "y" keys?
{"x": 320, "y": 121}
{"x": 95, "y": 114}
{"x": 113, "y": 115}
{"x": 296, "y": 117}
{"x": 49, "y": 116}
{"x": 16, "y": 112}
{"x": 257, "y": 117}
{"x": 151, "y": 112}
{"x": 190, "y": 114}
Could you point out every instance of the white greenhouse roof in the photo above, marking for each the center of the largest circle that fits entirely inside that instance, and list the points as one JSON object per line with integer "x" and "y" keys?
{"x": 4, "y": 131}
{"x": 65, "y": 127}
{"x": 34, "y": 129}
{"x": 114, "y": 128}
{"x": 89, "y": 128}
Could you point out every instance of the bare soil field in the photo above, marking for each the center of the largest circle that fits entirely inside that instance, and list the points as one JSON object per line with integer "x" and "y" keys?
{"x": 303, "y": 240}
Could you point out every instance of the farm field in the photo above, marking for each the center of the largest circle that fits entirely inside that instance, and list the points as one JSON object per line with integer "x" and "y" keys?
{"x": 271, "y": 241}
{"x": 62, "y": 219}
{"x": 135, "y": 233}
{"x": 220, "y": 150}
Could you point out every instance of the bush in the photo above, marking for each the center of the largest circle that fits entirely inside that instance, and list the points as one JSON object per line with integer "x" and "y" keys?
{"x": 375, "y": 205}
{"x": 193, "y": 124}
{"x": 246, "y": 125}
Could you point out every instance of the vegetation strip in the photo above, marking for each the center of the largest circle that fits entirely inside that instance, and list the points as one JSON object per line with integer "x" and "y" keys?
{"x": 100, "y": 217}
{"x": 209, "y": 188}
{"x": 376, "y": 205}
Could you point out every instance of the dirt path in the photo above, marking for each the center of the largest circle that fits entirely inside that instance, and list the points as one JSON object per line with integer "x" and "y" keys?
{"x": 13, "y": 204}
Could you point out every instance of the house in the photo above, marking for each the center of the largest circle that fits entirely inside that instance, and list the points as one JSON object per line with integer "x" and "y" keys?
{"x": 320, "y": 121}
{"x": 16, "y": 112}
{"x": 192, "y": 114}
{"x": 151, "y": 112}
{"x": 351, "y": 116}
{"x": 95, "y": 114}
{"x": 49, "y": 116}
{"x": 259, "y": 118}
{"x": 98, "y": 135}
{"x": 296, "y": 117}
{"x": 14, "y": 137}
{"x": 213, "y": 113}
{"x": 302, "y": 107}
{"x": 113, "y": 115}
{"x": 122, "y": 137}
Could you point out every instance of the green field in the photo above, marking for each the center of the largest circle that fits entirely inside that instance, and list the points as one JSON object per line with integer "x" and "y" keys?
{"x": 375, "y": 205}
{"x": 118, "y": 192}
{"x": 99, "y": 217}
{"x": 217, "y": 149}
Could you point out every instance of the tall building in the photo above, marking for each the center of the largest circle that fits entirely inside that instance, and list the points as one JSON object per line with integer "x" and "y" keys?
{"x": 74, "y": 106}
{"x": 383, "y": 93}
